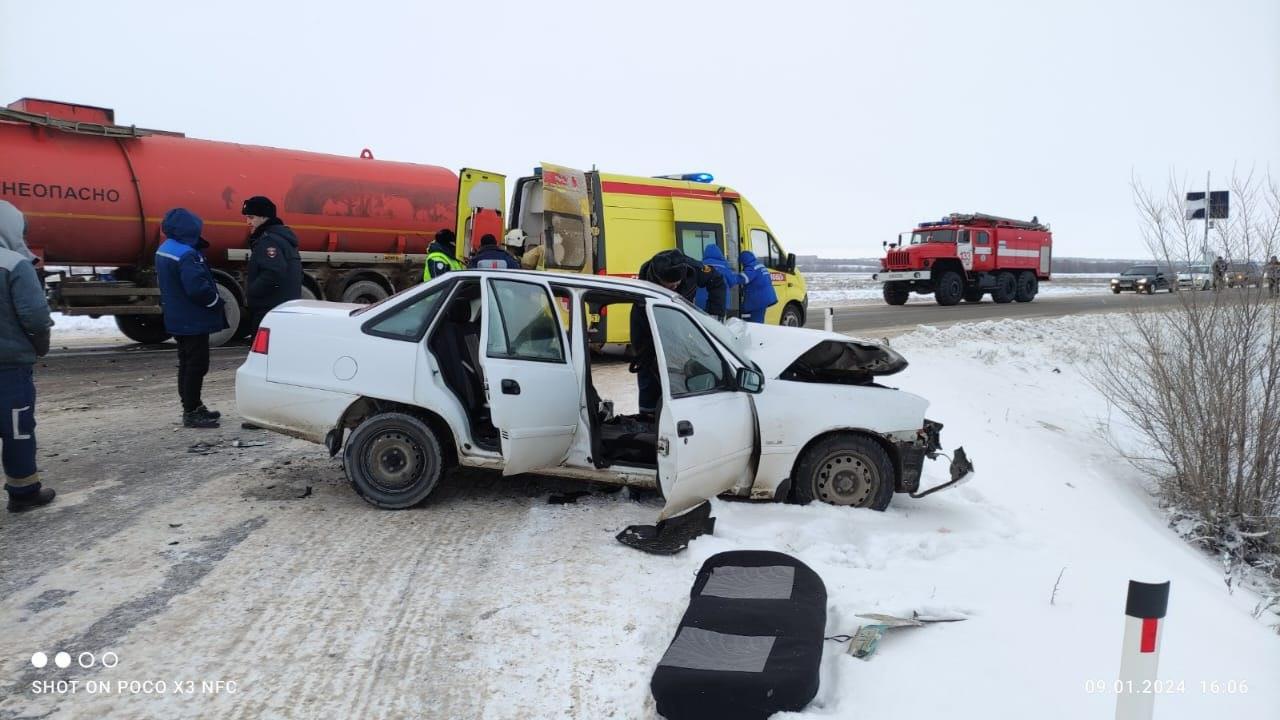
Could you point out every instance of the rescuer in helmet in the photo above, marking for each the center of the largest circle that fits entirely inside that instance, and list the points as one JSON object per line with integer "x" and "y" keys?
{"x": 441, "y": 255}
{"x": 275, "y": 267}
{"x": 531, "y": 258}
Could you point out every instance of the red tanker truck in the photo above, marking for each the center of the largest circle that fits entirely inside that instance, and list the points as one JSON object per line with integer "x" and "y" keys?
{"x": 94, "y": 192}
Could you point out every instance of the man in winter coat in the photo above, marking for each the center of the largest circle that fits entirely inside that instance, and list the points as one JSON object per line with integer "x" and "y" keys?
{"x": 441, "y": 255}
{"x": 24, "y": 336}
{"x": 1272, "y": 272}
{"x": 759, "y": 294}
{"x": 492, "y": 257}
{"x": 680, "y": 273}
{"x": 275, "y": 267}
{"x": 712, "y": 256}
{"x": 1219, "y": 273}
{"x": 192, "y": 309}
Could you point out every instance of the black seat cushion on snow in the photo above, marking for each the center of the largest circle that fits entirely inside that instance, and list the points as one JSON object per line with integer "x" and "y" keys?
{"x": 750, "y": 643}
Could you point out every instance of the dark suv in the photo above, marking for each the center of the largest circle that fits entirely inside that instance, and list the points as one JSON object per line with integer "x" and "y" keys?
{"x": 1244, "y": 274}
{"x": 1141, "y": 278}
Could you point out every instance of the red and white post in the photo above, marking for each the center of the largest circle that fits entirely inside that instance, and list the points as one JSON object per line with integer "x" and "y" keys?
{"x": 1139, "y": 657}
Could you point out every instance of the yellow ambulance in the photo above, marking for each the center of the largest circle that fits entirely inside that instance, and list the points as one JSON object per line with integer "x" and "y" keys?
{"x": 605, "y": 224}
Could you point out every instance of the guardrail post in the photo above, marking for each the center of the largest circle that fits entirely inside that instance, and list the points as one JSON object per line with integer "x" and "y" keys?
{"x": 828, "y": 319}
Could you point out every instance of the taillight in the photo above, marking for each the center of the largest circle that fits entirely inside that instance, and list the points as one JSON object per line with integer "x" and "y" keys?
{"x": 261, "y": 341}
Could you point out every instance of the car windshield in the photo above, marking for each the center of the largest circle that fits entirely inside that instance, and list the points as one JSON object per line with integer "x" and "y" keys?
{"x": 1141, "y": 270}
{"x": 920, "y": 237}
{"x": 719, "y": 330}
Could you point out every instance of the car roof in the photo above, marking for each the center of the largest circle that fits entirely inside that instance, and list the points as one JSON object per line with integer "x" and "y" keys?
{"x": 599, "y": 282}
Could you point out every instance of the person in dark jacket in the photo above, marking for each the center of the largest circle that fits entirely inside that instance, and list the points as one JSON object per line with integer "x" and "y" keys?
{"x": 192, "y": 309}
{"x": 712, "y": 256}
{"x": 275, "y": 267}
{"x": 24, "y": 336}
{"x": 492, "y": 257}
{"x": 759, "y": 294}
{"x": 680, "y": 273}
{"x": 441, "y": 255}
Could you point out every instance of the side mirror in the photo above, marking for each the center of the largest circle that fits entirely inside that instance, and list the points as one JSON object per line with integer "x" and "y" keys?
{"x": 884, "y": 244}
{"x": 750, "y": 381}
{"x": 791, "y": 262}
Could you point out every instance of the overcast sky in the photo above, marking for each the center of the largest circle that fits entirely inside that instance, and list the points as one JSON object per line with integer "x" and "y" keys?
{"x": 844, "y": 123}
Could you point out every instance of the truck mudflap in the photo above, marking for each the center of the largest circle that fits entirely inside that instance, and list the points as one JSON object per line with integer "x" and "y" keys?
{"x": 928, "y": 444}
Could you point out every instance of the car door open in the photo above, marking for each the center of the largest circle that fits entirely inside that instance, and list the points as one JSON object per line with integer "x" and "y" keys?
{"x": 706, "y": 426}
{"x": 533, "y": 392}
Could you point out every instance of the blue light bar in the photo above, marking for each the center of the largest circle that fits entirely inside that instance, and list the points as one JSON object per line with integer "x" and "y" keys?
{"x": 690, "y": 177}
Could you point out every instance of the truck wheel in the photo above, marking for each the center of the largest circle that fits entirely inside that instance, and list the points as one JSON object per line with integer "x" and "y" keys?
{"x": 393, "y": 460}
{"x": 949, "y": 288}
{"x": 364, "y": 292}
{"x": 1005, "y": 289}
{"x": 232, "y": 311}
{"x": 792, "y": 316}
{"x": 895, "y": 294}
{"x": 845, "y": 469}
{"x": 1028, "y": 286}
{"x": 145, "y": 329}
{"x": 973, "y": 294}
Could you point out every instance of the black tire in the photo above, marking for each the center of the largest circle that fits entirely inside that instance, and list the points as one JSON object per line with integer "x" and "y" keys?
{"x": 393, "y": 460}
{"x": 1005, "y": 289}
{"x": 845, "y": 469}
{"x": 232, "y": 311}
{"x": 364, "y": 292}
{"x": 948, "y": 288}
{"x": 1028, "y": 286}
{"x": 973, "y": 294}
{"x": 145, "y": 329}
{"x": 307, "y": 293}
{"x": 896, "y": 294}
{"x": 1115, "y": 291}
{"x": 792, "y": 316}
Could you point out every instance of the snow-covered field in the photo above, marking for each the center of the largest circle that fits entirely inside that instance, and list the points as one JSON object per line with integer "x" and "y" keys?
{"x": 837, "y": 288}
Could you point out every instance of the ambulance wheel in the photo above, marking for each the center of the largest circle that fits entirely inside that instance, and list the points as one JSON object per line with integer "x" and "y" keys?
{"x": 393, "y": 460}
{"x": 896, "y": 295}
{"x": 973, "y": 294}
{"x": 1028, "y": 286}
{"x": 1006, "y": 288}
{"x": 145, "y": 329}
{"x": 845, "y": 469}
{"x": 949, "y": 288}
{"x": 792, "y": 316}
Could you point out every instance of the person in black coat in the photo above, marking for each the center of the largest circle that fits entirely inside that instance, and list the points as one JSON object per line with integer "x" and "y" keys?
{"x": 679, "y": 273}
{"x": 275, "y": 267}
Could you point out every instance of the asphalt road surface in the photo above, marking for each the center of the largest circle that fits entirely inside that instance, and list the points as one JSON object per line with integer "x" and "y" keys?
{"x": 887, "y": 319}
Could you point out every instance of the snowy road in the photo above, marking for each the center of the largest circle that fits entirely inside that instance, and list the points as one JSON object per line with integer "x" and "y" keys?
{"x": 488, "y": 601}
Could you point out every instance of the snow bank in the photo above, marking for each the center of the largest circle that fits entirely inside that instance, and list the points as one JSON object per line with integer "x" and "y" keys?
{"x": 835, "y": 288}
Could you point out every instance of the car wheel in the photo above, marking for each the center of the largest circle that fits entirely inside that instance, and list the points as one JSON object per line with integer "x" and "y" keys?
{"x": 949, "y": 288}
{"x": 845, "y": 469}
{"x": 1006, "y": 288}
{"x": 1115, "y": 291}
{"x": 895, "y": 294}
{"x": 393, "y": 460}
{"x": 792, "y": 316}
{"x": 1027, "y": 287}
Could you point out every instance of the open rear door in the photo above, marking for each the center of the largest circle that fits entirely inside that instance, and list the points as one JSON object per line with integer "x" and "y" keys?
{"x": 480, "y": 198}
{"x": 533, "y": 392}
{"x": 567, "y": 218}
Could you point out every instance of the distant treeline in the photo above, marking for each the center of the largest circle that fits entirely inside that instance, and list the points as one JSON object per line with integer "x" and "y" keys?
{"x": 813, "y": 263}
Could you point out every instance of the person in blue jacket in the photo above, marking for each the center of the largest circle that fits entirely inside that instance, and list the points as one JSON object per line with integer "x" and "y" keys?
{"x": 712, "y": 256}
{"x": 759, "y": 294}
{"x": 192, "y": 309}
{"x": 492, "y": 257}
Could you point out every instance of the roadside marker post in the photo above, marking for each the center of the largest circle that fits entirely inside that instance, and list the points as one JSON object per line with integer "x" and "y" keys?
{"x": 1144, "y": 613}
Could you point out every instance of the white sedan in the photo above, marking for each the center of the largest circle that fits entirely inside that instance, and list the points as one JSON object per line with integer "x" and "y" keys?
{"x": 494, "y": 369}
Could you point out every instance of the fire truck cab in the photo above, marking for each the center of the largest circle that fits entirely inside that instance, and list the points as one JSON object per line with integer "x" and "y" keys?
{"x": 965, "y": 256}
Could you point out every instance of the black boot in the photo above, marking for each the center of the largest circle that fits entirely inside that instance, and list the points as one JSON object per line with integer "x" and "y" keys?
{"x": 29, "y": 501}
{"x": 202, "y": 410}
{"x": 195, "y": 419}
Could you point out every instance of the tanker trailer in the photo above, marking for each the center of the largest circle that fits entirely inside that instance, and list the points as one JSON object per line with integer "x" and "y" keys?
{"x": 94, "y": 192}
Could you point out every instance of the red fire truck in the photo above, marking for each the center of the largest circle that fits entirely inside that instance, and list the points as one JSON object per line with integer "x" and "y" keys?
{"x": 964, "y": 256}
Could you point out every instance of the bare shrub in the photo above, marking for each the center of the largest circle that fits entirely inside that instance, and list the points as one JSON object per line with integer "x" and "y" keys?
{"x": 1201, "y": 382}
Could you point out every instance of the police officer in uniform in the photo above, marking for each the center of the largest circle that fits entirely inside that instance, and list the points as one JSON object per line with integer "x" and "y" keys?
{"x": 275, "y": 267}
{"x": 441, "y": 255}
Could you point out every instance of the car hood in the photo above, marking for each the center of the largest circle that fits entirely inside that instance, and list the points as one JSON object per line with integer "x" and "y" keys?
{"x": 814, "y": 355}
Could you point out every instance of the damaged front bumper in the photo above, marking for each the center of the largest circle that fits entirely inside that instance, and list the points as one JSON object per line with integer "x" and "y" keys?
{"x": 928, "y": 444}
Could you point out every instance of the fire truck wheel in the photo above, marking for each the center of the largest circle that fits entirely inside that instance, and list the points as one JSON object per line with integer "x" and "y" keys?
{"x": 973, "y": 294}
{"x": 895, "y": 295}
{"x": 1028, "y": 286}
{"x": 845, "y": 469}
{"x": 145, "y": 329}
{"x": 1006, "y": 287}
{"x": 949, "y": 288}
